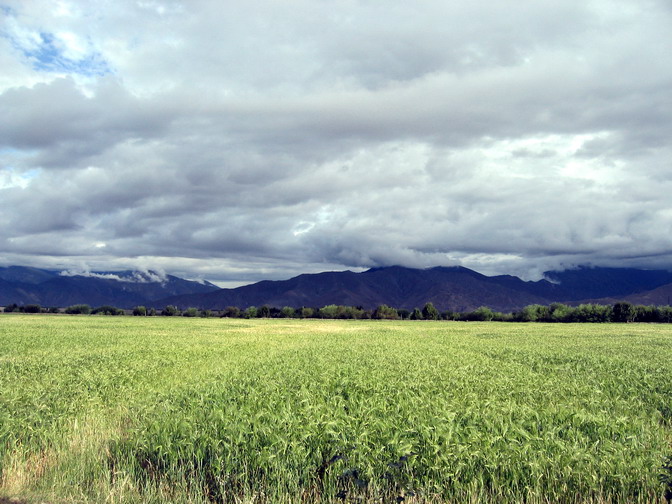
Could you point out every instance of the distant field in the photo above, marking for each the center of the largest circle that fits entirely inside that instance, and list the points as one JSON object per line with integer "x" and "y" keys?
{"x": 132, "y": 409}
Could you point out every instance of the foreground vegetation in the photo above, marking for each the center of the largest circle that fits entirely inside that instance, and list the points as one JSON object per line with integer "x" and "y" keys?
{"x": 110, "y": 409}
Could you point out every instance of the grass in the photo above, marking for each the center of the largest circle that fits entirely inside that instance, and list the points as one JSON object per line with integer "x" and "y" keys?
{"x": 97, "y": 409}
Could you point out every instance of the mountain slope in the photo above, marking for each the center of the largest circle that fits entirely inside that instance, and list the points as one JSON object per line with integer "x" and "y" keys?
{"x": 448, "y": 288}
{"x": 595, "y": 283}
{"x": 123, "y": 289}
{"x": 14, "y": 292}
{"x": 26, "y": 275}
{"x": 660, "y": 296}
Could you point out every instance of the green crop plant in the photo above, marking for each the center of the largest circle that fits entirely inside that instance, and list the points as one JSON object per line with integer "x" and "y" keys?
{"x": 198, "y": 410}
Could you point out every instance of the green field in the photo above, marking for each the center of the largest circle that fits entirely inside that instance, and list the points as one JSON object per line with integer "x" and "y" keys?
{"x": 132, "y": 409}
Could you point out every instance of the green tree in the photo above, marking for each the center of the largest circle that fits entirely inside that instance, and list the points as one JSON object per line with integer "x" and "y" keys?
{"x": 107, "y": 310}
{"x": 170, "y": 311}
{"x": 645, "y": 313}
{"x": 357, "y": 312}
{"x": 623, "y": 312}
{"x": 140, "y": 311}
{"x": 482, "y": 314}
{"x": 561, "y": 312}
{"x": 416, "y": 314}
{"x": 231, "y": 312}
{"x": 329, "y": 311}
{"x": 250, "y": 312}
{"x": 79, "y": 309}
{"x": 190, "y": 312}
{"x": 589, "y": 312}
{"x": 264, "y": 312}
{"x": 665, "y": 314}
{"x": 532, "y": 313}
{"x": 429, "y": 312}
{"x": 385, "y": 312}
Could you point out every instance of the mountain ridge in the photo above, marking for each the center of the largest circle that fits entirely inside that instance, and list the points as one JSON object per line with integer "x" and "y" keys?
{"x": 454, "y": 288}
{"x": 123, "y": 289}
{"x": 449, "y": 288}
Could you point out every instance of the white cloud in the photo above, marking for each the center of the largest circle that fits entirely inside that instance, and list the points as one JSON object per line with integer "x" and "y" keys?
{"x": 146, "y": 276}
{"x": 236, "y": 142}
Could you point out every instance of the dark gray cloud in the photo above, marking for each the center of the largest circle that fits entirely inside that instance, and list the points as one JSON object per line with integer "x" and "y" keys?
{"x": 260, "y": 140}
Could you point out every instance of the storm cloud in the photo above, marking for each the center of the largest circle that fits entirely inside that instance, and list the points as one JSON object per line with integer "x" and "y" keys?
{"x": 263, "y": 139}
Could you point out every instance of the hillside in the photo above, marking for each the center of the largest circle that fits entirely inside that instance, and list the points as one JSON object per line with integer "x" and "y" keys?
{"x": 449, "y": 288}
{"x": 124, "y": 289}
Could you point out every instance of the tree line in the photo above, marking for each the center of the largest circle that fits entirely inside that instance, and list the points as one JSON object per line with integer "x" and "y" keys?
{"x": 555, "y": 312}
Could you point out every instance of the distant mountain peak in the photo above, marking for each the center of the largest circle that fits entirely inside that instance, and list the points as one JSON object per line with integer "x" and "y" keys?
{"x": 123, "y": 289}
{"x": 448, "y": 287}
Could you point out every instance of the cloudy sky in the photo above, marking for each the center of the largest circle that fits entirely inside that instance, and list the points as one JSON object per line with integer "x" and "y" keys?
{"x": 239, "y": 141}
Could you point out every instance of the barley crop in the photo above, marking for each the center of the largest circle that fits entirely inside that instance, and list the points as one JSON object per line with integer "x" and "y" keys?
{"x": 96, "y": 409}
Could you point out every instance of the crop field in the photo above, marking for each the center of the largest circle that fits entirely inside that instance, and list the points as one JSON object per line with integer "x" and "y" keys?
{"x": 133, "y": 409}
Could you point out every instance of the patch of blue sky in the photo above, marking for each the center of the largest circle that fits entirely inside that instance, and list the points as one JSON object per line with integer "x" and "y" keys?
{"x": 11, "y": 151}
{"x": 10, "y": 177}
{"x": 49, "y": 56}
{"x": 47, "y": 52}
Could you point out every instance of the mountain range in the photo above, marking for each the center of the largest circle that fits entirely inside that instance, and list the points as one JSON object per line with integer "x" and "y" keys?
{"x": 448, "y": 288}
{"x": 123, "y": 289}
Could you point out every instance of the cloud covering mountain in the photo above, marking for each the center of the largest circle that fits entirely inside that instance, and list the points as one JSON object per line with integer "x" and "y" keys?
{"x": 448, "y": 288}
{"x": 243, "y": 141}
{"x": 124, "y": 289}
{"x": 455, "y": 288}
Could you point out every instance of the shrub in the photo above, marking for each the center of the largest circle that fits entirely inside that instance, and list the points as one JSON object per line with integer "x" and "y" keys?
{"x": 170, "y": 311}
{"x": 385, "y": 312}
{"x": 107, "y": 310}
{"x": 429, "y": 312}
{"x": 481, "y": 314}
{"x": 79, "y": 309}
{"x": 646, "y": 313}
{"x": 665, "y": 314}
{"x": 231, "y": 311}
{"x": 559, "y": 312}
{"x": 589, "y": 312}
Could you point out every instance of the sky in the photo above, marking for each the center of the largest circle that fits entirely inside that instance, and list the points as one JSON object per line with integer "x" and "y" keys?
{"x": 241, "y": 141}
